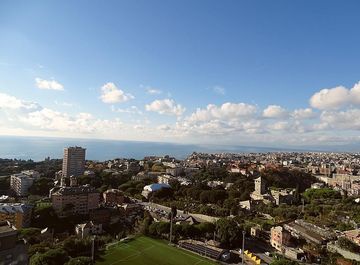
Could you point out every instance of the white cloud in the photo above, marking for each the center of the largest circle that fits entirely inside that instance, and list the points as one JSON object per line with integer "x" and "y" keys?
{"x": 48, "y": 84}
{"x": 153, "y": 91}
{"x": 226, "y": 119}
{"x": 339, "y": 120}
{"x": 355, "y": 94}
{"x": 10, "y": 102}
{"x": 226, "y": 111}
{"x": 280, "y": 126}
{"x": 301, "y": 114}
{"x": 336, "y": 98}
{"x": 219, "y": 90}
{"x": 111, "y": 94}
{"x": 165, "y": 106}
{"x": 275, "y": 112}
{"x": 164, "y": 127}
{"x": 332, "y": 98}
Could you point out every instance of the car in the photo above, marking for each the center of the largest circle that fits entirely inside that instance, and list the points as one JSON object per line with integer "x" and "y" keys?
{"x": 267, "y": 253}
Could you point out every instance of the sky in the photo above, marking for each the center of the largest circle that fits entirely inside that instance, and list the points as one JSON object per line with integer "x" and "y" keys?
{"x": 266, "y": 73}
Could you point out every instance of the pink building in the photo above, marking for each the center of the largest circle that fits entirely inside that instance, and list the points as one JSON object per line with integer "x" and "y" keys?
{"x": 279, "y": 237}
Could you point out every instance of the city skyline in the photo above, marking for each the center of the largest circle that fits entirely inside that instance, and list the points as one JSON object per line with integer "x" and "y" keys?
{"x": 279, "y": 74}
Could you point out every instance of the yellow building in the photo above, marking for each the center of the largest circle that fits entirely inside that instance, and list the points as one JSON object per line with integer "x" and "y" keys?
{"x": 18, "y": 214}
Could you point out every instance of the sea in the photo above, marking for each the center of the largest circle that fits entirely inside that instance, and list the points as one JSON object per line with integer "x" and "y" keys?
{"x": 39, "y": 148}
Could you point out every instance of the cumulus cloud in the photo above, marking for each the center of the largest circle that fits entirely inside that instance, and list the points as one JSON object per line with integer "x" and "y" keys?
{"x": 228, "y": 118}
{"x": 300, "y": 114}
{"x": 340, "y": 120}
{"x": 275, "y": 112}
{"x": 332, "y": 98}
{"x": 336, "y": 98}
{"x": 111, "y": 94}
{"x": 48, "y": 84}
{"x": 10, "y": 102}
{"x": 226, "y": 111}
{"x": 165, "y": 106}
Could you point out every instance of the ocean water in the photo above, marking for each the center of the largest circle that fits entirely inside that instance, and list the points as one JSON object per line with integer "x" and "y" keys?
{"x": 38, "y": 148}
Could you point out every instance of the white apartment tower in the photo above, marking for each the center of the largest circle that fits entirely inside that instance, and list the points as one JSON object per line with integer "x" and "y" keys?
{"x": 73, "y": 161}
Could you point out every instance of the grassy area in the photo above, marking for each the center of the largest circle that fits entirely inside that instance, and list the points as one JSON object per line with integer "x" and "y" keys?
{"x": 144, "y": 250}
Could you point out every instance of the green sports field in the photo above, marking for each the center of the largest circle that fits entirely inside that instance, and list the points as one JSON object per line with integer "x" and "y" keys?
{"x": 148, "y": 251}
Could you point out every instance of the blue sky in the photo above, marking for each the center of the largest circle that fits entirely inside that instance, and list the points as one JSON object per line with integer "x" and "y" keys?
{"x": 238, "y": 72}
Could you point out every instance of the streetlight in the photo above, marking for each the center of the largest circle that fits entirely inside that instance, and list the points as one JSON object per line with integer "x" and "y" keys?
{"x": 171, "y": 221}
{"x": 93, "y": 249}
{"x": 243, "y": 248}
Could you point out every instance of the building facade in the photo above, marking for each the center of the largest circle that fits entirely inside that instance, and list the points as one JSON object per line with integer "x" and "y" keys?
{"x": 12, "y": 251}
{"x": 74, "y": 200}
{"x": 87, "y": 229}
{"x": 21, "y": 182}
{"x": 73, "y": 161}
{"x": 18, "y": 214}
{"x": 279, "y": 238}
{"x": 113, "y": 197}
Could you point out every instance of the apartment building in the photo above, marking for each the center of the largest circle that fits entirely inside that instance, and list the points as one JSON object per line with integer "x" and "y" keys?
{"x": 279, "y": 237}
{"x": 73, "y": 161}
{"x": 21, "y": 182}
{"x": 113, "y": 197}
{"x": 18, "y": 214}
{"x": 74, "y": 200}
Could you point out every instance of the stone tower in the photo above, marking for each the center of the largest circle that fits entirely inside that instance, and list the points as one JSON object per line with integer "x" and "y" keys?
{"x": 260, "y": 186}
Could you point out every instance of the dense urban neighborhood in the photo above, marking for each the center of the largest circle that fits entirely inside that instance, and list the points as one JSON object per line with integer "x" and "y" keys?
{"x": 251, "y": 208}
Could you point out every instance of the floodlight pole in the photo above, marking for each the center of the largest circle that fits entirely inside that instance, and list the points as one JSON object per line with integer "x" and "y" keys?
{"x": 171, "y": 220}
{"x": 243, "y": 248}
{"x": 93, "y": 250}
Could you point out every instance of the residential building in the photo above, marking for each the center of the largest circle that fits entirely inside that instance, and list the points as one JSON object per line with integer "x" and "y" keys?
{"x": 353, "y": 235}
{"x": 283, "y": 196}
{"x": 12, "y": 251}
{"x": 87, "y": 229}
{"x": 279, "y": 238}
{"x": 18, "y": 214}
{"x": 73, "y": 161}
{"x": 21, "y": 182}
{"x": 74, "y": 200}
{"x": 175, "y": 171}
{"x": 164, "y": 179}
{"x": 311, "y": 233}
{"x": 113, "y": 197}
{"x": 102, "y": 215}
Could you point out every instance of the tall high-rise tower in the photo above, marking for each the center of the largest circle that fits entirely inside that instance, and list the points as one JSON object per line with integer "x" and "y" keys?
{"x": 73, "y": 161}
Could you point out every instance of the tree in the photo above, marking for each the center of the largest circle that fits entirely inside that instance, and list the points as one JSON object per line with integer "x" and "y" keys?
{"x": 44, "y": 217}
{"x": 347, "y": 244}
{"x": 77, "y": 247}
{"x": 31, "y": 235}
{"x": 50, "y": 257}
{"x": 173, "y": 212}
{"x": 41, "y": 186}
{"x": 79, "y": 261}
{"x": 228, "y": 232}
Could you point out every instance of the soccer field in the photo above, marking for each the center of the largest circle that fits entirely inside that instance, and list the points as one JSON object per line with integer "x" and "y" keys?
{"x": 148, "y": 251}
